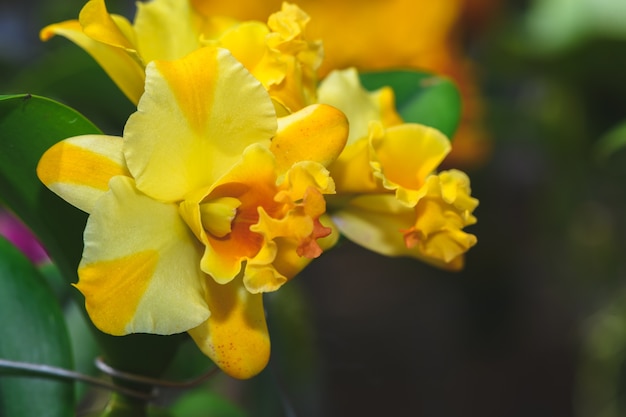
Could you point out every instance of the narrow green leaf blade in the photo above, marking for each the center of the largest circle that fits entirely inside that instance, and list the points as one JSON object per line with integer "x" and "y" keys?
{"x": 33, "y": 330}
{"x": 421, "y": 97}
{"x": 29, "y": 125}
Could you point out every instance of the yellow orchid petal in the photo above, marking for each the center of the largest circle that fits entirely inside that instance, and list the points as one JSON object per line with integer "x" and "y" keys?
{"x": 218, "y": 214}
{"x": 247, "y": 43}
{"x": 352, "y": 171}
{"x": 430, "y": 230}
{"x": 444, "y": 208}
{"x": 235, "y": 336}
{"x": 195, "y": 119}
{"x": 166, "y": 29}
{"x": 437, "y": 232}
{"x": 375, "y": 222}
{"x": 260, "y": 274}
{"x": 123, "y": 67}
{"x": 405, "y": 155}
{"x": 98, "y": 24}
{"x": 316, "y": 133}
{"x": 343, "y": 90}
{"x": 250, "y": 184}
{"x": 79, "y": 169}
{"x": 140, "y": 267}
{"x": 303, "y": 57}
{"x": 288, "y": 263}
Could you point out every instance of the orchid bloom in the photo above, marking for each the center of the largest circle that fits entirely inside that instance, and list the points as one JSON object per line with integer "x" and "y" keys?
{"x": 206, "y": 202}
{"x": 277, "y": 53}
{"x": 389, "y": 197}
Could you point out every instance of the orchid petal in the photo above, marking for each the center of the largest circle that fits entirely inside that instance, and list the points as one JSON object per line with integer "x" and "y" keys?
{"x": 405, "y": 155}
{"x": 166, "y": 29}
{"x": 247, "y": 43}
{"x": 79, "y": 169}
{"x": 123, "y": 67}
{"x": 235, "y": 336}
{"x": 343, "y": 90}
{"x": 99, "y": 25}
{"x": 375, "y": 222}
{"x": 288, "y": 263}
{"x": 140, "y": 268}
{"x": 316, "y": 133}
{"x": 352, "y": 171}
{"x": 195, "y": 119}
{"x": 253, "y": 182}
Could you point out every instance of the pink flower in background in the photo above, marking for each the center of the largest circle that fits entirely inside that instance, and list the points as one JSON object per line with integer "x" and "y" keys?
{"x": 19, "y": 235}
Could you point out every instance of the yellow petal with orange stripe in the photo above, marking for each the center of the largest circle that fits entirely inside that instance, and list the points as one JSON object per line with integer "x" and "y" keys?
{"x": 79, "y": 169}
{"x": 195, "y": 119}
{"x": 235, "y": 337}
{"x": 140, "y": 271}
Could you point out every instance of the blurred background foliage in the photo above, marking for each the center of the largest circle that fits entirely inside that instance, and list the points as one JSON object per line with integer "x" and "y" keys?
{"x": 536, "y": 323}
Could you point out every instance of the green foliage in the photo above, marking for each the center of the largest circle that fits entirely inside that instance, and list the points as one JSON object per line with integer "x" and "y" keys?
{"x": 421, "y": 97}
{"x": 555, "y": 25}
{"x": 30, "y": 125}
{"x": 204, "y": 403}
{"x": 33, "y": 330}
{"x": 612, "y": 142}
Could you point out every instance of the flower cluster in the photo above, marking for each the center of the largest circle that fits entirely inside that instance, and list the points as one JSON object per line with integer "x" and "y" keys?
{"x": 237, "y": 169}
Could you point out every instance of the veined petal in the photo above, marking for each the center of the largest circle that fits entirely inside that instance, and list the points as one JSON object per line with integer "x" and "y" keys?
{"x": 122, "y": 66}
{"x": 140, "y": 271}
{"x": 78, "y": 169}
{"x": 235, "y": 336}
{"x": 166, "y": 29}
{"x": 316, "y": 133}
{"x": 195, "y": 119}
{"x": 405, "y": 155}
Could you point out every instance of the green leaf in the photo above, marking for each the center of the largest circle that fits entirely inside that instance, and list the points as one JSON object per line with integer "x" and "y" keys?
{"x": 421, "y": 97}
{"x": 33, "y": 330}
{"x": 29, "y": 125}
{"x": 204, "y": 403}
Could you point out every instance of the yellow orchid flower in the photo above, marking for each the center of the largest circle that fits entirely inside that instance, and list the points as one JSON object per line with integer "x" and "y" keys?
{"x": 389, "y": 197}
{"x": 206, "y": 202}
{"x": 277, "y": 53}
{"x": 375, "y": 35}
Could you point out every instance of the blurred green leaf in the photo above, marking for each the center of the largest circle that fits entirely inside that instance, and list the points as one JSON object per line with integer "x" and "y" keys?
{"x": 33, "y": 330}
{"x": 29, "y": 125}
{"x": 610, "y": 143}
{"x": 421, "y": 97}
{"x": 555, "y": 25}
{"x": 204, "y": 403}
